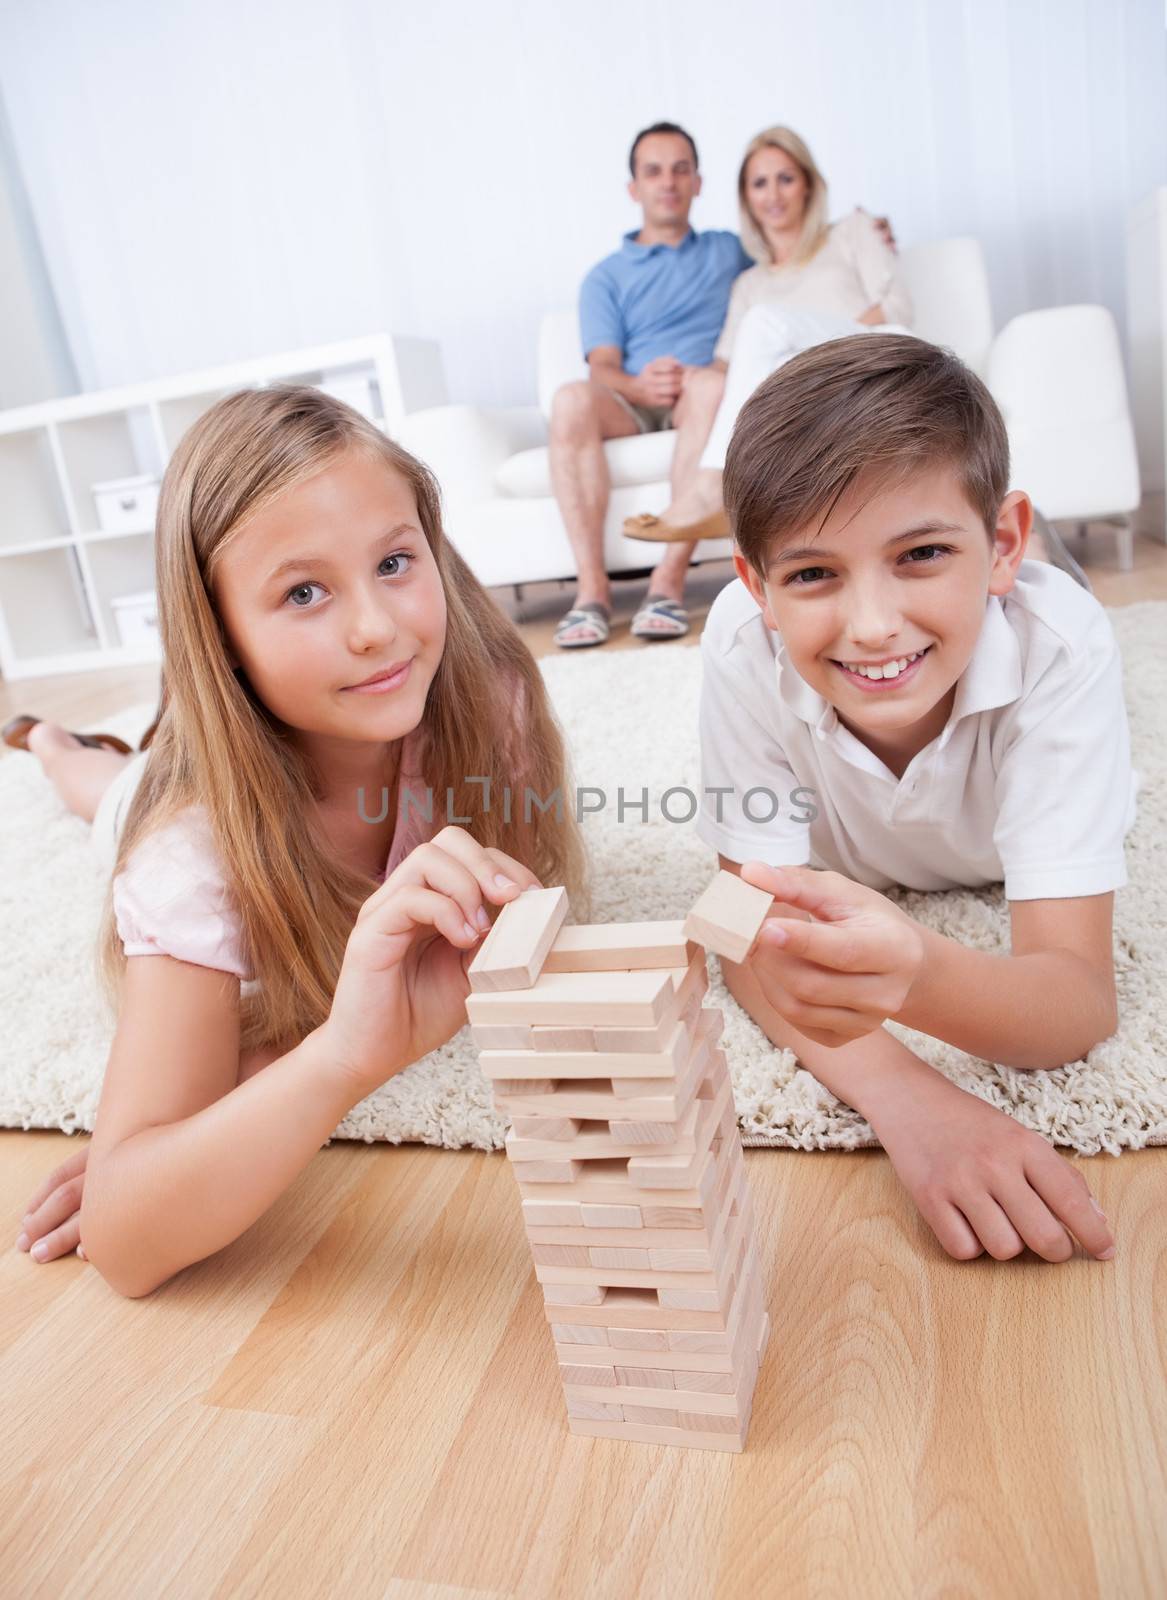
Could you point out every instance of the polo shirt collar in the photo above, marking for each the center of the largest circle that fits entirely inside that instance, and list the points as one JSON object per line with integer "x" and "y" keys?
{"x": 641, "y": 252}
{"x": 991, "y": 679}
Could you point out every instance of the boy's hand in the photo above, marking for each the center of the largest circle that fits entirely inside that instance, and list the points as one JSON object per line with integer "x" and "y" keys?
{"x": 842, "y": 974}
{"x": 981, "y": 1180}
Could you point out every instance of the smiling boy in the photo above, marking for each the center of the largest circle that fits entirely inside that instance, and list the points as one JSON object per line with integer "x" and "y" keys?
{"x": 958, "y": 713}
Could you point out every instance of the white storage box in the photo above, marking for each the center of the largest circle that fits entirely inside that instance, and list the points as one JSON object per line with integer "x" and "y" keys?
{"x": 127, "y": 505}
{"x": 136, "y": 616}
{"x": 356, "y": 390}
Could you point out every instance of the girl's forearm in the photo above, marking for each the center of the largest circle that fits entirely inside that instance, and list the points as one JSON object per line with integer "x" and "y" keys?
{"x": 172, "y": 1195}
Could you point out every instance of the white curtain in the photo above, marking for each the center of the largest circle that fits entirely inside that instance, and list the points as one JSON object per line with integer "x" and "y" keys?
{"x": 219, "y": 179}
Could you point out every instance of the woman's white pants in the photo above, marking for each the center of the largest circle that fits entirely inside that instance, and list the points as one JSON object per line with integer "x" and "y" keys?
{"x": 766, "y": 339}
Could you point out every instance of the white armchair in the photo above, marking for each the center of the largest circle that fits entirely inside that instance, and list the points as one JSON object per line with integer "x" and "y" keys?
{"x": 1056, "y": 374}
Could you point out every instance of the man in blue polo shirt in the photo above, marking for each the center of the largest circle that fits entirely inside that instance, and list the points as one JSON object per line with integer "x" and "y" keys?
{"x": 650, "y": 315}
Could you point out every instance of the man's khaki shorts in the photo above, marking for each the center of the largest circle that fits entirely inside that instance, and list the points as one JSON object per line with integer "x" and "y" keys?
{"x": 648, "y": 419}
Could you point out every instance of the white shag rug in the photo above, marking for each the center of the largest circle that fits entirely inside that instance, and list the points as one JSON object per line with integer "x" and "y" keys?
{"x": 631, "y": 717}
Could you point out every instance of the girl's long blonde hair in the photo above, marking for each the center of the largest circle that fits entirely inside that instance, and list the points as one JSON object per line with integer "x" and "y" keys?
{"x": 814, "y": 223}
{"x": 218, "y": 746}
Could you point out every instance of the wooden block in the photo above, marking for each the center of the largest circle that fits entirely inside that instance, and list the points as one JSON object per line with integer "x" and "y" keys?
{"x": 601, "y": 1216}
{"x": 573, "y": 1294}
{"x": 671, "y": 1216}
{"x": 678, "y": 1169}
{"x": 596, "y": 1143}
{"x": 698, "y": 1259}
{"x": 691, "y": 1245}
{"x": 640, "y": 1433}
{"x": 593, "y": 1411}
{"x": 565, "y": 998}
{"x": 732, "y": 1405}
{"x": 705, "y": 1351}
{"x": 660, "y": 1416}
{"x": 597, "y": 1377}
{"x": 619, "y": 947}
{"x": 513, "y": 952}
{"x": 704, "y": 1382}
{"x": 577, "y": 1333}
{"x": 645, "y": 1133}
{"x": 713, "y": 1424}
{"x": 710, "y": 1291}
{"x": 590, "y": 1063}
{"x": 728, "y": 915}
{"x": 593, "y": 1099}
{"x": 628, "y": 1309}
{"x": 562, "y": 1255}
{"x": 647, "y": 1339}
{"x": 644, "y": 1377}
{"x": 523, "y": 1086}
{"x": 608, "y": 1181}
{"x": 604, "y": 1256}
{"x": 699, "y": 1368}
{"x": 555, "y": 1039}
{"x": 502, "y": 1036}
{"x": 560, "y": 1128}
{"x": 640, "y": 1238}
{"x": 546, "y": 1171}
{"x": 554, "y": 1214}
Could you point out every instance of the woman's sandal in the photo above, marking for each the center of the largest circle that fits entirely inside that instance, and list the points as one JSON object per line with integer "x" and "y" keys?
{"x": 646, "y": 526}
{"x": 15, "y": 734}
{"x": 594, "y": 617}
{"x": 660, "y": 608}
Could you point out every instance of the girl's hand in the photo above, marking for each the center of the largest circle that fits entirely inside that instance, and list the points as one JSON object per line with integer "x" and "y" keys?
{"x": 842, "y": 974}
{"x": 403, "y": 986}
{"x": 52, "y": 1223}
{"x": 981, "y": 1180}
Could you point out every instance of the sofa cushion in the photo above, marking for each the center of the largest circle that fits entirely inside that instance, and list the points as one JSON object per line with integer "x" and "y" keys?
{"x": 642, "y": 458}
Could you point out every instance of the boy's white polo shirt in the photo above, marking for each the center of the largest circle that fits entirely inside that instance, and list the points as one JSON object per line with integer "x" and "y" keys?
{"x": 1029, "y": 783}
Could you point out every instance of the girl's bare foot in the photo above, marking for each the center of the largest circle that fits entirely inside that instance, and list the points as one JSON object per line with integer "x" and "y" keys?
{"x": 79, "y": 773}
{"x": 46, "y": 737}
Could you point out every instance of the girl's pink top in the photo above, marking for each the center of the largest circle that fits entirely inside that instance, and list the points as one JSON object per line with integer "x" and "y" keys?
{"x": 171, "y": 899}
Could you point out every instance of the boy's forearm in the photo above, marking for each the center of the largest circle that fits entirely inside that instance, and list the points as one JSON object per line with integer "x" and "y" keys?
{"x": 865, "y": 1074}
{"x": 1033, "y": 1011}
{"x": 173, "y": 1195}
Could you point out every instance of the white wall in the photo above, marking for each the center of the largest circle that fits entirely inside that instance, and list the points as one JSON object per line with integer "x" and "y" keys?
{"x": 34, "y": 358}
{"x": 219, "y": 179}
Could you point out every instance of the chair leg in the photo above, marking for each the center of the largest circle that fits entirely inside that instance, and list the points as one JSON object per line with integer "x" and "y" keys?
{"x": 1126, "y": 542}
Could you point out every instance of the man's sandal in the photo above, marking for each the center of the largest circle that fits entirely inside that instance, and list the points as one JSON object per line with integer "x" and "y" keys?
{"x": 592, "y": 619}
{"x": 16, "y": 732}
{"x": 660, "y": 617}
{"x": 645, "y": 526}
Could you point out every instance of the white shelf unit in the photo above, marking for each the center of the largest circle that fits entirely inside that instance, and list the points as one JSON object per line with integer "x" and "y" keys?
{"x": 59, "y": 571}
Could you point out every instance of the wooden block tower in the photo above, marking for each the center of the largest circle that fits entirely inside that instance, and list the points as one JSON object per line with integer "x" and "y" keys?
{"x": 626, "y": 1149}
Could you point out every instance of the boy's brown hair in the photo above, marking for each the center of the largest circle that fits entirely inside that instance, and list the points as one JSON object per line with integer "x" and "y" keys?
{"x": 884, "y": 404}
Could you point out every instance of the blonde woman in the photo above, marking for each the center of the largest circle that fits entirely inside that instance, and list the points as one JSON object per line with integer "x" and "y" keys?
{"x": 287, "y": 925}
{"x": 814, "y": 280}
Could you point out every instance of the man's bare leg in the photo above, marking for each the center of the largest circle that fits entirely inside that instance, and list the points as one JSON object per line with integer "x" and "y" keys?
{"x": 693, "y": 416}
{"x": 80, "y": 774}
{"x": 583, "y": 415}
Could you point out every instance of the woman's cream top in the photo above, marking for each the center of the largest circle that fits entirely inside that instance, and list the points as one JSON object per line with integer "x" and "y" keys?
{"x": 854, "y": 269}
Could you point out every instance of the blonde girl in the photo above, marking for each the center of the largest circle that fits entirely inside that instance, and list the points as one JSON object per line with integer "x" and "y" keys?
{"x": 289, "y": 916}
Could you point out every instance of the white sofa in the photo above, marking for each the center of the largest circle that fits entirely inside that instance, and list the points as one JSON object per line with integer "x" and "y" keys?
{"x": 1061, "y": 389}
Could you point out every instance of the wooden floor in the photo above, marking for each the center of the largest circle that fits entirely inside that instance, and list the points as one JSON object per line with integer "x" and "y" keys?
{"x": 359, "y": 1396}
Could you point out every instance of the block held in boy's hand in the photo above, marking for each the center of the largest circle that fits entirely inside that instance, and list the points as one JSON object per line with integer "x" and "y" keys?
{"x": 728, "y": 916}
